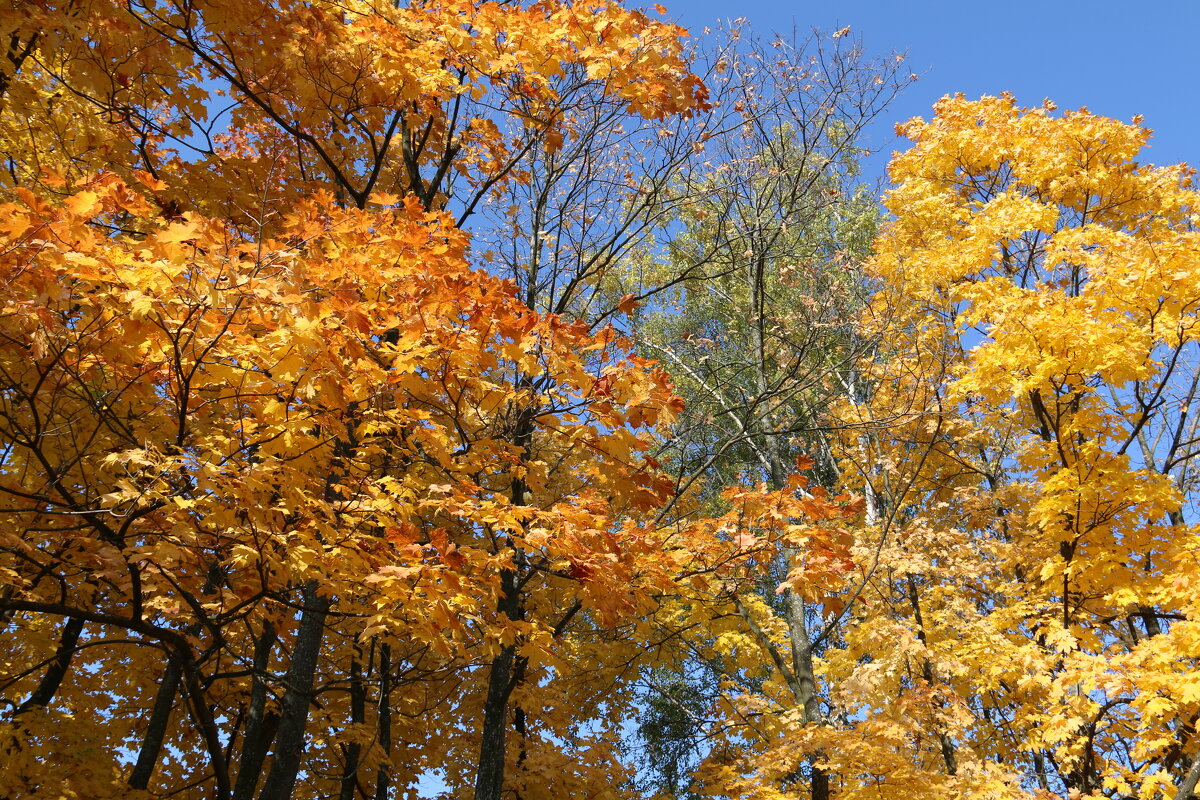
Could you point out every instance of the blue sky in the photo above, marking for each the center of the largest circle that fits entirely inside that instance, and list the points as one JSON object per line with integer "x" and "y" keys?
{"x": 1116, "y": 58}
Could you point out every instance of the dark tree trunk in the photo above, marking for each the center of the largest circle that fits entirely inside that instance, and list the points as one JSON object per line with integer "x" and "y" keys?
{"x": 489, "y": 780}
{"x": 293, "y": 710}
{"x": 358, "y": 715}
{"x": 156, "y": 729}
{"x": 260, "y": 726}
{"x": 57, "y": 670}
{"x": 383, "y": 780}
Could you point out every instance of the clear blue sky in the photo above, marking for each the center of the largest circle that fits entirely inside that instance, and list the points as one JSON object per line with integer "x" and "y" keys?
{"x": 1118, "y": 58}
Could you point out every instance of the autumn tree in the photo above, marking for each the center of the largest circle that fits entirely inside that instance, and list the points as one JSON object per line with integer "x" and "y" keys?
{"x": 292, "y": 490}
{"x": 760, "y": 341}
{"x": 334, "y": 447}
{"x": 1030, "y": 632}
{"x": 626, "y": 220}
{"x": 1017, "y": 620}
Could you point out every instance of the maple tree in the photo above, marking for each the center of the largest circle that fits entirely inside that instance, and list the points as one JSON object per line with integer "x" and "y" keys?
{"x": 1053, "y": 271}
{"x": 291, "y": 490}
{"x": 208, "y": 435}
{"x": 333, "y": 453}
{"x": 1017, "y": 620}
{"x": 1022, "y": 623}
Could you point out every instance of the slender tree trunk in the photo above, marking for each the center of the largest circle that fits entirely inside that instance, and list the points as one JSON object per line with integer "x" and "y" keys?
{"x": 798, "y": 634}
{"x": 1188, "y": 786}
{"x": 805, "y": 687}
{"x": 489, "y": 780}
{"x": 156, "y": 729}
{"x": 358, "y": 715}
{"x": 383, "y": 779}
{"x": 260, "y": 726}
{"x": 507, "y": 671}
{"x": 57, "y": 669}
{"x": 806, "y": 684}
{"x": 202, "y": 716}
{"x": 948, "y": 752}
{"x": 293, "y": 711}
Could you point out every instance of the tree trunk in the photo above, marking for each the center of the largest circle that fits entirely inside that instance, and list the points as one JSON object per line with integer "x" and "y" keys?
{"x": 507, "y": 669}
{"x": 260, "y": 727}
{"x": 156, "y": 730}
{"x": 948, "y": 752}
{"x": 293, "y": 711}
{"x": 358, "y": 715}
{"x": 383, "y": 780}
{"x": 57, "y": 670}
{"x": 489, "y": 780}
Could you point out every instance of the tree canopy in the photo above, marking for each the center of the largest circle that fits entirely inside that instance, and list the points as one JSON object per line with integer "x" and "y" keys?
{"x": 531, "y": 394}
